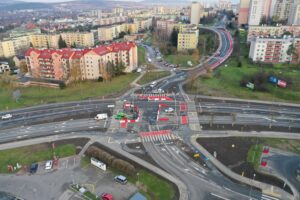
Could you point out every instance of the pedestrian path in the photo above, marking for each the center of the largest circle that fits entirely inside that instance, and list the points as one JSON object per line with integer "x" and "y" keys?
{"x": 155, "y": 136}
{"x": 193, "y": 116}
{"x": 115, "y": 124}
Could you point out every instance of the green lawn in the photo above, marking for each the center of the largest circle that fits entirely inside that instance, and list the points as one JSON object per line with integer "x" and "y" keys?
{"x": 73, "y": 92}
{"x": 226, "y": 82}
{"x": 182, "y": 60}
{"x": 156, "y": 188}
{"x": 254, "y": 154}
{"x": 151, "y": 76}
{"x": 141, "y": 56}
{"x": 34, "y": 153}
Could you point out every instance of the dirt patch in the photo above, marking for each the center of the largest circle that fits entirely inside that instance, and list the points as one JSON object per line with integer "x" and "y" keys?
{"x": 256, "y": 128}
{"x": 232, "y": 152}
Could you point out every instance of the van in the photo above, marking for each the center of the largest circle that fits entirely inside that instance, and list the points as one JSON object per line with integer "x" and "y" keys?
{"x": 101, "y": 116}
{"x": 121, "y": 179}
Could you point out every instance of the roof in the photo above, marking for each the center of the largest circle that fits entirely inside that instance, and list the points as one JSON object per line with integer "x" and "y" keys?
{"x": 46, "y": 54}
{"x": 78, "y": 53}
{"x": 138, "y": 196}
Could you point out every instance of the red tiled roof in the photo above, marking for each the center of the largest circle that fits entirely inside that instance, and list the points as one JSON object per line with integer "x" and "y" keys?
{"x": 46, "y": 54}
{"x": 28, "y": 52}
{"x": 76, "y": 54}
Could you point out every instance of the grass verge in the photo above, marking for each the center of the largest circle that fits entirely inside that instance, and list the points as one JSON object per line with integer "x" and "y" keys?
{"x": 151, "y": 76}
{"x": 254, "y": 154}
{"x": 74, "y": 92}
{"x": 141, "y": 56}
{"x": 182, "y": 60}
{"x": 33, "y": 153}
{"x": 226, "y": 82}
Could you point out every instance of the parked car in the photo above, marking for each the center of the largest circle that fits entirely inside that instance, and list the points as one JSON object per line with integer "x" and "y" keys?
{"x": 48, "y": 165}
{"x": 121, "y": 179}
{"x": 33, "y": 168}
{"x": 107, "y": 196}
{"x": 6, "y": 116}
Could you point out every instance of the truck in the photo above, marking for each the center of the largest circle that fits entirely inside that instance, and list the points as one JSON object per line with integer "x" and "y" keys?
{"x": 101, "y": 116}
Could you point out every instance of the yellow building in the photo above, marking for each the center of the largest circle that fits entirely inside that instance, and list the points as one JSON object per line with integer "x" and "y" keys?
{"x": 44, "y": 40}
{"x": 12, "y": 47}
{"x": 85, "y": 39}
{"x": 187, "y": 38}
{"x": 107, "y": 33}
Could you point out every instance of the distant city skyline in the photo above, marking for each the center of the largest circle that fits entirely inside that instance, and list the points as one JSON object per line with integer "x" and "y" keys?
{"x": 55, "y": 1}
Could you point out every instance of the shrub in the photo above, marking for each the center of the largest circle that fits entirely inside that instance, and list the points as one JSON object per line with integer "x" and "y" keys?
{"x": 62, "y": 85}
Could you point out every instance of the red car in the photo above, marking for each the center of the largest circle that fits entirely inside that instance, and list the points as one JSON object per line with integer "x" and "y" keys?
{"x": 107, "y": 196}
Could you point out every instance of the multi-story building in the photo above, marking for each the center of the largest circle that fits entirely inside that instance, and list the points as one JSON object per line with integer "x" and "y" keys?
{"x": 111, "y": 20}
{"x": 79, "y": 39}
{"x": 11, "y": 47}
{"x": 243, "y": 12}
{"x": 64, "y": 64}
{"x": 197, "y": 11}
{"x": 275, "y": 50}
{"x": 107, "y": 33}
{"x": 294, "y": 16}
{"x": 224, "y": 5}
{"x": 44, "y": 40}
{"x": 281, "y": 9}
{"x": 110, "y": 33}
{"x": 187, "y": 37}
{"x": 143, "y": 24}
{"x": 270, "y": 31}
{"x": 256, "y": 11}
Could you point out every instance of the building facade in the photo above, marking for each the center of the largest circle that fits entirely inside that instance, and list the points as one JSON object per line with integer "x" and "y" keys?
{"x": 294, "y": 16}
{"x": 188, "y": 37}
{"x": 275, "y": 50}
{"x": 270, "y": 31}
{"x": 85, "y": 64}
{"x": 196, "y": 12}
{"x": 243, "y": 12}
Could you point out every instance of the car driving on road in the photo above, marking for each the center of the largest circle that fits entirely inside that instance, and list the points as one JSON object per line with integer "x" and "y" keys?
{"x": 6, "y": 116}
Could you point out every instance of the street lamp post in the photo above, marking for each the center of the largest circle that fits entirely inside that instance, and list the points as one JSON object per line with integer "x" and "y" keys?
{"x": 251, "y": 186}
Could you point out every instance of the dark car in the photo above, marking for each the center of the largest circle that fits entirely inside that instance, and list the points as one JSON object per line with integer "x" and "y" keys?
{"x": 152, "y": 120}
{"x": 33, "y": 168}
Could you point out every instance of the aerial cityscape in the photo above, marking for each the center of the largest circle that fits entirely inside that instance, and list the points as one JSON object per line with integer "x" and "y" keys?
{"x": 150, "y": 100}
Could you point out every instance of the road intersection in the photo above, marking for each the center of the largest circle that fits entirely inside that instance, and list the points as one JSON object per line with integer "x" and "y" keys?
{"x": 199, "y": 182}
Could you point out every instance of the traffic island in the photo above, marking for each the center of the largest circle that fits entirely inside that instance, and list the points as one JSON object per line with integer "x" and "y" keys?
{"x": 239, "y": 158}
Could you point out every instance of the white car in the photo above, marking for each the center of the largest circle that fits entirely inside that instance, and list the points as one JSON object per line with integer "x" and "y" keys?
{"x": 6, "y": 116}
{"x": 169, "y": 110}
{"x": 48, "y": 165}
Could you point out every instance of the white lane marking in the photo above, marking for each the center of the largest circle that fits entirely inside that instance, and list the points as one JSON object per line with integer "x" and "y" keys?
{"x": 219, "y": 196}
{"x": 267, "y": 197}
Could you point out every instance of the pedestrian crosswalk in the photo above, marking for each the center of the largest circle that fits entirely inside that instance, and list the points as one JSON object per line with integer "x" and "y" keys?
{"x": 267, "y": 197}
{"x": 156, "y": 136}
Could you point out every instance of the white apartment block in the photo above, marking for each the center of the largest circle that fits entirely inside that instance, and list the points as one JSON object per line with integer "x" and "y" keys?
{"x": 268, "y": 31}
{"x": 196, "y": 12}
{"x": 294, "y": 16}
{"x": 256, "y": 12}
{"x": 273, "y": 49}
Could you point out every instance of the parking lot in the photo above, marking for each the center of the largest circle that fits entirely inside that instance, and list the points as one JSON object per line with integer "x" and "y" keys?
{"x": 51, "y": 184}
